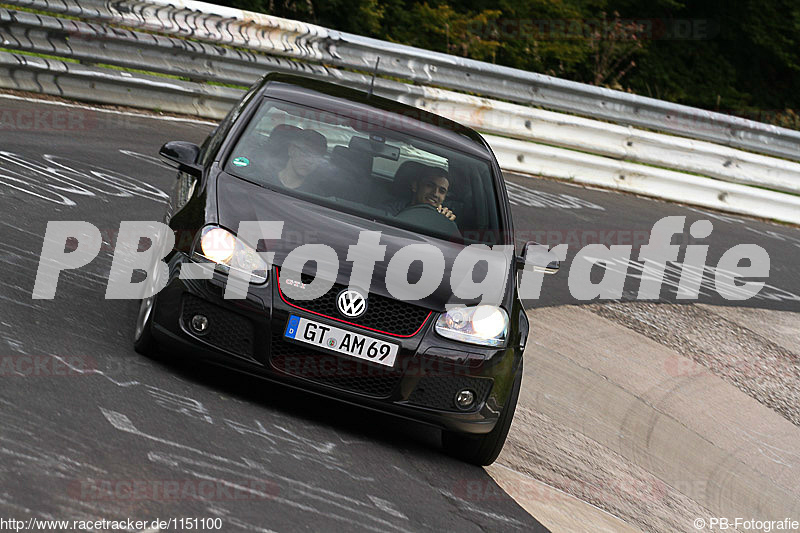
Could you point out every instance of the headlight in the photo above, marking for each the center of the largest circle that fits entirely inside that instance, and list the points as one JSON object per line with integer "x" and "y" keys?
{"x": 485, "y": 324}
{"x": 217, "y": 245}
{"x": 222, "y": 247}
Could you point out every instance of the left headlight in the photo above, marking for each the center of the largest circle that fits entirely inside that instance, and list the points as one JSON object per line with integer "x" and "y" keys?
{"x": 220, "y": 246}
{"x": 486, "y": 325}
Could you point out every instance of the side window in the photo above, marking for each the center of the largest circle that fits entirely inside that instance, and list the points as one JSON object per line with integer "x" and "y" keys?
{"x": 213, "y": 142}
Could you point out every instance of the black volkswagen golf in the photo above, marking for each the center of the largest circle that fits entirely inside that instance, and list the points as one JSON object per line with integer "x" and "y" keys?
{"x": 350, "y": 179}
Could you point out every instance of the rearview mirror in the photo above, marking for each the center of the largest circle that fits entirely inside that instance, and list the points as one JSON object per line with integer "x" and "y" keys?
{"x": 183, "y": 156}
{"x": 375, "y": 147}
{"x": 541, "y": 260}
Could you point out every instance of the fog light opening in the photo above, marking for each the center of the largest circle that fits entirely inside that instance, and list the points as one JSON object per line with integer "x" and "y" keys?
{"x": 465, "y": 399}
{"x": 199, "y": 324}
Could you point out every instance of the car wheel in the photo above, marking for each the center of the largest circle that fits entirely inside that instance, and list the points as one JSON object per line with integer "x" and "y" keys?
{"x": 143, "y": 341}
{"x": 482, "y": 450}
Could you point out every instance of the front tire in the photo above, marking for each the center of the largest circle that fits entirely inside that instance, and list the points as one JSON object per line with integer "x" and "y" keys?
{"x": 482, "y": 450}
{"x": 143, "y": 341}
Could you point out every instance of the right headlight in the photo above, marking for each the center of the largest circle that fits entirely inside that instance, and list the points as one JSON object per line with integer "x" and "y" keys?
{"x": 220, "y": 246}
{"x": 486, "y": 325}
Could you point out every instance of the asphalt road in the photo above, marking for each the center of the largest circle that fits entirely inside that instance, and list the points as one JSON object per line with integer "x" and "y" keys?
{"x": 89, "y": 429}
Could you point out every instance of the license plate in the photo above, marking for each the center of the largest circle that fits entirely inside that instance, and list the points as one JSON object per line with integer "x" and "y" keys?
{"x": 341, "y": 341}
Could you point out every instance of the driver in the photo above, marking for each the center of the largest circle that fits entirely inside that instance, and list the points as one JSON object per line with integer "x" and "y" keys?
{"x": 431, "y": 189}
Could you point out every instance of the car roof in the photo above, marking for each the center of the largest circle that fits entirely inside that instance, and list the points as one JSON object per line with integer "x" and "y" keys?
{"x": 374, "y": 109}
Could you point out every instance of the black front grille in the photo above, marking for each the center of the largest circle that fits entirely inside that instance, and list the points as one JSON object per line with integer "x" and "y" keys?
{"x": 383, "y": 314}
{"x": 439, "y": 392}
{"x": 226, "y": 330}
{"x": 331, "y": 369}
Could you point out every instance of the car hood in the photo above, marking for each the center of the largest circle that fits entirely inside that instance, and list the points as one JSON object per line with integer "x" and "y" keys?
{"x": 309, "y": 223}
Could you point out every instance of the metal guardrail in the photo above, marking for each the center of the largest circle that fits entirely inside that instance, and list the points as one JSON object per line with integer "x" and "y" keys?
{"x": 531, "y": 158}
{"x": 101, "y": 44}
{"x": 96, "y": 43}
{"x": 208, "y": 22}
{"x": 231, "y": 50}
{"x": 79, "y": 82}
{"x": 614, "y": 141}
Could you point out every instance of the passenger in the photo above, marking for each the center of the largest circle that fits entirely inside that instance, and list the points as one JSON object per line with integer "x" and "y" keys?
{"x": 277, "y": 148}
{"x": 306, "y": 151}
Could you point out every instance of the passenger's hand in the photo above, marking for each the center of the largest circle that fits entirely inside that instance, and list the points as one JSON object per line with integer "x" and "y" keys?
{"x": 446, "y": 212}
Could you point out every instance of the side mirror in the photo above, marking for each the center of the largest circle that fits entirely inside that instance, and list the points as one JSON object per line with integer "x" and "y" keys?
{"x": 542, "y": 261}
{"x": 183, "y": 156}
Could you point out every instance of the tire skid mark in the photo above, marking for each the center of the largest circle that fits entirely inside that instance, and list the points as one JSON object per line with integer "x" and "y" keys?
{"x": 33, "y": 258}
{"x": 124, "y": 424}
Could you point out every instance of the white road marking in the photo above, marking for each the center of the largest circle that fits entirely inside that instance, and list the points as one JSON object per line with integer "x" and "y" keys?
{"x": 180, "y": 404}
{"x": 59, "y": 179}
{"x": 387, "y": 506}
{"x": 521, "y": 195}
{"x": 146, "y": 158}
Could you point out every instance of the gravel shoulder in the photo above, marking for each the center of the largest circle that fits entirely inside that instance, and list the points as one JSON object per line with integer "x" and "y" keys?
{"x": 658, "y": 414}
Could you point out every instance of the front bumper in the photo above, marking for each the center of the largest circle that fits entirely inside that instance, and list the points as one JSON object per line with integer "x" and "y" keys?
{"x": 247, "y": 334}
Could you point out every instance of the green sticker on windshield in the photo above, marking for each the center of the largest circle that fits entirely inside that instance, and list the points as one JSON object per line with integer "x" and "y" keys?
{"x": 241, "y": 162}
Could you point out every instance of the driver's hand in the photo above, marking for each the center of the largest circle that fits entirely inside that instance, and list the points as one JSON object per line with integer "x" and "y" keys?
{"x": 446, "y": 212}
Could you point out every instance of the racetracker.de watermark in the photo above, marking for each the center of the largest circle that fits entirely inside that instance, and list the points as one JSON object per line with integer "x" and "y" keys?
{"x": 164, "y": 490}
{"x": 26, "y": 365}
{"x": 523, "y": 489}
{"x": 311, "y": 364}
{"x": 58, "y": 119}
{"x": 570, "y": 29}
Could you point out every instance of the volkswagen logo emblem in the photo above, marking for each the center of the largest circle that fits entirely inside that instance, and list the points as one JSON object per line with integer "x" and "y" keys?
{"x": 351, "y": 303}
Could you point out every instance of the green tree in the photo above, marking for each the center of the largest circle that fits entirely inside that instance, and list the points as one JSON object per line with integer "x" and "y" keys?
{"x": 741, "y": 57}
{"x": 440, "y": 27}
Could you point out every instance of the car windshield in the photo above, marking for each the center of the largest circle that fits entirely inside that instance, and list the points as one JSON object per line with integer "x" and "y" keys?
{"x": 373, "y": 172}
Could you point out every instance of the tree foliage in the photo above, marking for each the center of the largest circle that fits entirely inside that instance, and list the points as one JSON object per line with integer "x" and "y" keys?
{"x": 739, "y": 57}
